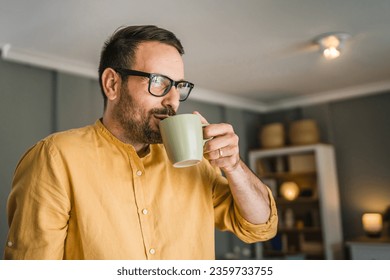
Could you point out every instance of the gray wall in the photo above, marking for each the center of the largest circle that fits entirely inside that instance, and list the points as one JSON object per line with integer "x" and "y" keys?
{"x": 26, "y": 116}
{"x": 77, "y": 101}
{"x": 361, "y": 134}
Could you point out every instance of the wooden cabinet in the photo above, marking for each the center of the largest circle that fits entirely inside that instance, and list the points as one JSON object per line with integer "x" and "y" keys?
{"x": 309, "y": 224}
{"x": 366, "y": 248}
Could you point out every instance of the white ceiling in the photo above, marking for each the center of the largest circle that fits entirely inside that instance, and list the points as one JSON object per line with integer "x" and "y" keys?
{"x": 249, "y": 53}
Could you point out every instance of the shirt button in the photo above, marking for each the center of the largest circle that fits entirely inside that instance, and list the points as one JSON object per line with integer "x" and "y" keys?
{"x": 152, "y": 251}
{"x": 139, "y": 173}
{"x": 145, "y": 211}
{"x": 9, "y": 244}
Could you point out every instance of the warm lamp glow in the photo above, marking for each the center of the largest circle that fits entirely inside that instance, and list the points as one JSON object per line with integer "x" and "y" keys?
{"x": 331, "y": 44}
{"x": 372, "y": 224}
{"x": 331, "y": 53}
{"x": 289, "y": 190}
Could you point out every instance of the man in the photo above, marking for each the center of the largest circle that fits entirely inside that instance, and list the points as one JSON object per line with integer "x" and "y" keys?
{"x": 108, "y": 191}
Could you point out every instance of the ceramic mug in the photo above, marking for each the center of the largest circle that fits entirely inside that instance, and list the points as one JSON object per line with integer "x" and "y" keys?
{"x": 183, "y": 139}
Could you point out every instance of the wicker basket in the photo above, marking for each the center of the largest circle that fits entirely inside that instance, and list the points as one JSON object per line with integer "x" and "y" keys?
{"x": 272, "y": 136}
{"x": 304, "y": 132}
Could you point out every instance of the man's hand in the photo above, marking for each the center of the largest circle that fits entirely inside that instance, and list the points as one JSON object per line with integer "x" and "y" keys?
{"x": 222, "y": 149}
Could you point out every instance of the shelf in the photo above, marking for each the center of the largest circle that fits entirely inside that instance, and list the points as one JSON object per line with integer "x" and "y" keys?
{"x": 289, "y": 150}
{"x": 315, "y": 214}
{"x": 372, "y": 240}
{"x": 275, "y": 253}
{"x": 299, "y": 200}
{"x": 288, "y": 175}
{"x": 369, "y": 248}
{"x": 293, "y": 255}
{"x": 300, "y": 230}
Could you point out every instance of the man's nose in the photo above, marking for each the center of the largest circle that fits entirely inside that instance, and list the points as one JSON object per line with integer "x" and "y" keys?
{"x": 172, "y": 98}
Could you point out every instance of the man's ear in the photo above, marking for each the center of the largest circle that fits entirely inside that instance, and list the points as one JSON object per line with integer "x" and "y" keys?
{"x": 111, "y": 83}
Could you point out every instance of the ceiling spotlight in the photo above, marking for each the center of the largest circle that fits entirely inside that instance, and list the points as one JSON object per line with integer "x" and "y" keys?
{"x": 331, "y": 44}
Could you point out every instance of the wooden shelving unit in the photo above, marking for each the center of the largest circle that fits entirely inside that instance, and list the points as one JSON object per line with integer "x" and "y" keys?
{"x": 312, "y": 227}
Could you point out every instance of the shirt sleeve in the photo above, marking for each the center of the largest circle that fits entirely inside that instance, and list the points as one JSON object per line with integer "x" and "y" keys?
{"x": 38, "y": 206}
{"x": 228, "y": 217}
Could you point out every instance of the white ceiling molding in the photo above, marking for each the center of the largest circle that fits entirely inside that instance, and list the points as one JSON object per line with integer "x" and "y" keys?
{"x": 11, "y": 53}
{"x": 201, "y": 94}
{"x": 220, "y": 98}
{"x": 330, "y": 96}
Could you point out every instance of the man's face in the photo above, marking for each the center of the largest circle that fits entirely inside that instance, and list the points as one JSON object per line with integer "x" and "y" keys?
{"x": 137, "y": 111}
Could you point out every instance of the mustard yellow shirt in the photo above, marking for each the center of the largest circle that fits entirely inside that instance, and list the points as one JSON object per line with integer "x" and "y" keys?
{"x": 83, "y": 194}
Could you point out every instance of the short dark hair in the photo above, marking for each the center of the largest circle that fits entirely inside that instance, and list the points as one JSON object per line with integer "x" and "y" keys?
{"x": 119, "y": 50}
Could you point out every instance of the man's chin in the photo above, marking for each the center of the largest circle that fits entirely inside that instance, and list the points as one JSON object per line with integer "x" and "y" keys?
{"x": 154, "y": 134}
{"x": 154, "y": 137}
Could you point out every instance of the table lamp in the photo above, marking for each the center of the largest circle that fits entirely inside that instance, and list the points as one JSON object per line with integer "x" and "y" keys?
{"x": 372, "y": 224}
{"x": 289, "y": 190}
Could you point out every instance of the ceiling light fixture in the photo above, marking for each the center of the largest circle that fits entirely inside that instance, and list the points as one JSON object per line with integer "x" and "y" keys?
{"x": 331, "y": 44}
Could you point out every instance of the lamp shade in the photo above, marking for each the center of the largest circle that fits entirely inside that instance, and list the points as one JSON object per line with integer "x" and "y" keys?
{"x": 289, "y": 190}
{"x": 372, "y": 224}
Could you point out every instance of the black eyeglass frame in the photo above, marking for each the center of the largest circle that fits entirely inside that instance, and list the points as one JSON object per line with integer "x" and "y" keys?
{"x": 130, "y": 72}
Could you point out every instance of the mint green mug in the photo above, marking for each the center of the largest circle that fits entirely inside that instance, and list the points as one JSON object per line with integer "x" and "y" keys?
{"x": 183, "y": 139}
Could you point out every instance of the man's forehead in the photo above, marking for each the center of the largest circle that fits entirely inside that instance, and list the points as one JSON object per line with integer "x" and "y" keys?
{"x": 156, "y": 57}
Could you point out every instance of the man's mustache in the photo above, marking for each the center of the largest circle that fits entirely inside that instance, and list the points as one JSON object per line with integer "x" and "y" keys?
{"x": 164, "y": 111}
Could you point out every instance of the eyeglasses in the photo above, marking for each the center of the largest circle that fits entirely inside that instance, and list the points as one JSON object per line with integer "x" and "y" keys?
{"x": 160, "y": 85}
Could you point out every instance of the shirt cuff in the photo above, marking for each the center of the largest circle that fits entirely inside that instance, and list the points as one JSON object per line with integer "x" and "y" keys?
{"x": 263, "y": 231}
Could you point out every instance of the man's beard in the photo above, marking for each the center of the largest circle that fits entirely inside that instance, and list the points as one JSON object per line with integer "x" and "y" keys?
{"x": 136, "y": 122}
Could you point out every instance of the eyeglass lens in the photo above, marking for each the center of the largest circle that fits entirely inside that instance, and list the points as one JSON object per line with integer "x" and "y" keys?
{"x": 160, "y": 85}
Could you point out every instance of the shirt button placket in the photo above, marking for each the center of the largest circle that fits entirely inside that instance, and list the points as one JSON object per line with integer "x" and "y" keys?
{"x": 145, "y": 212}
